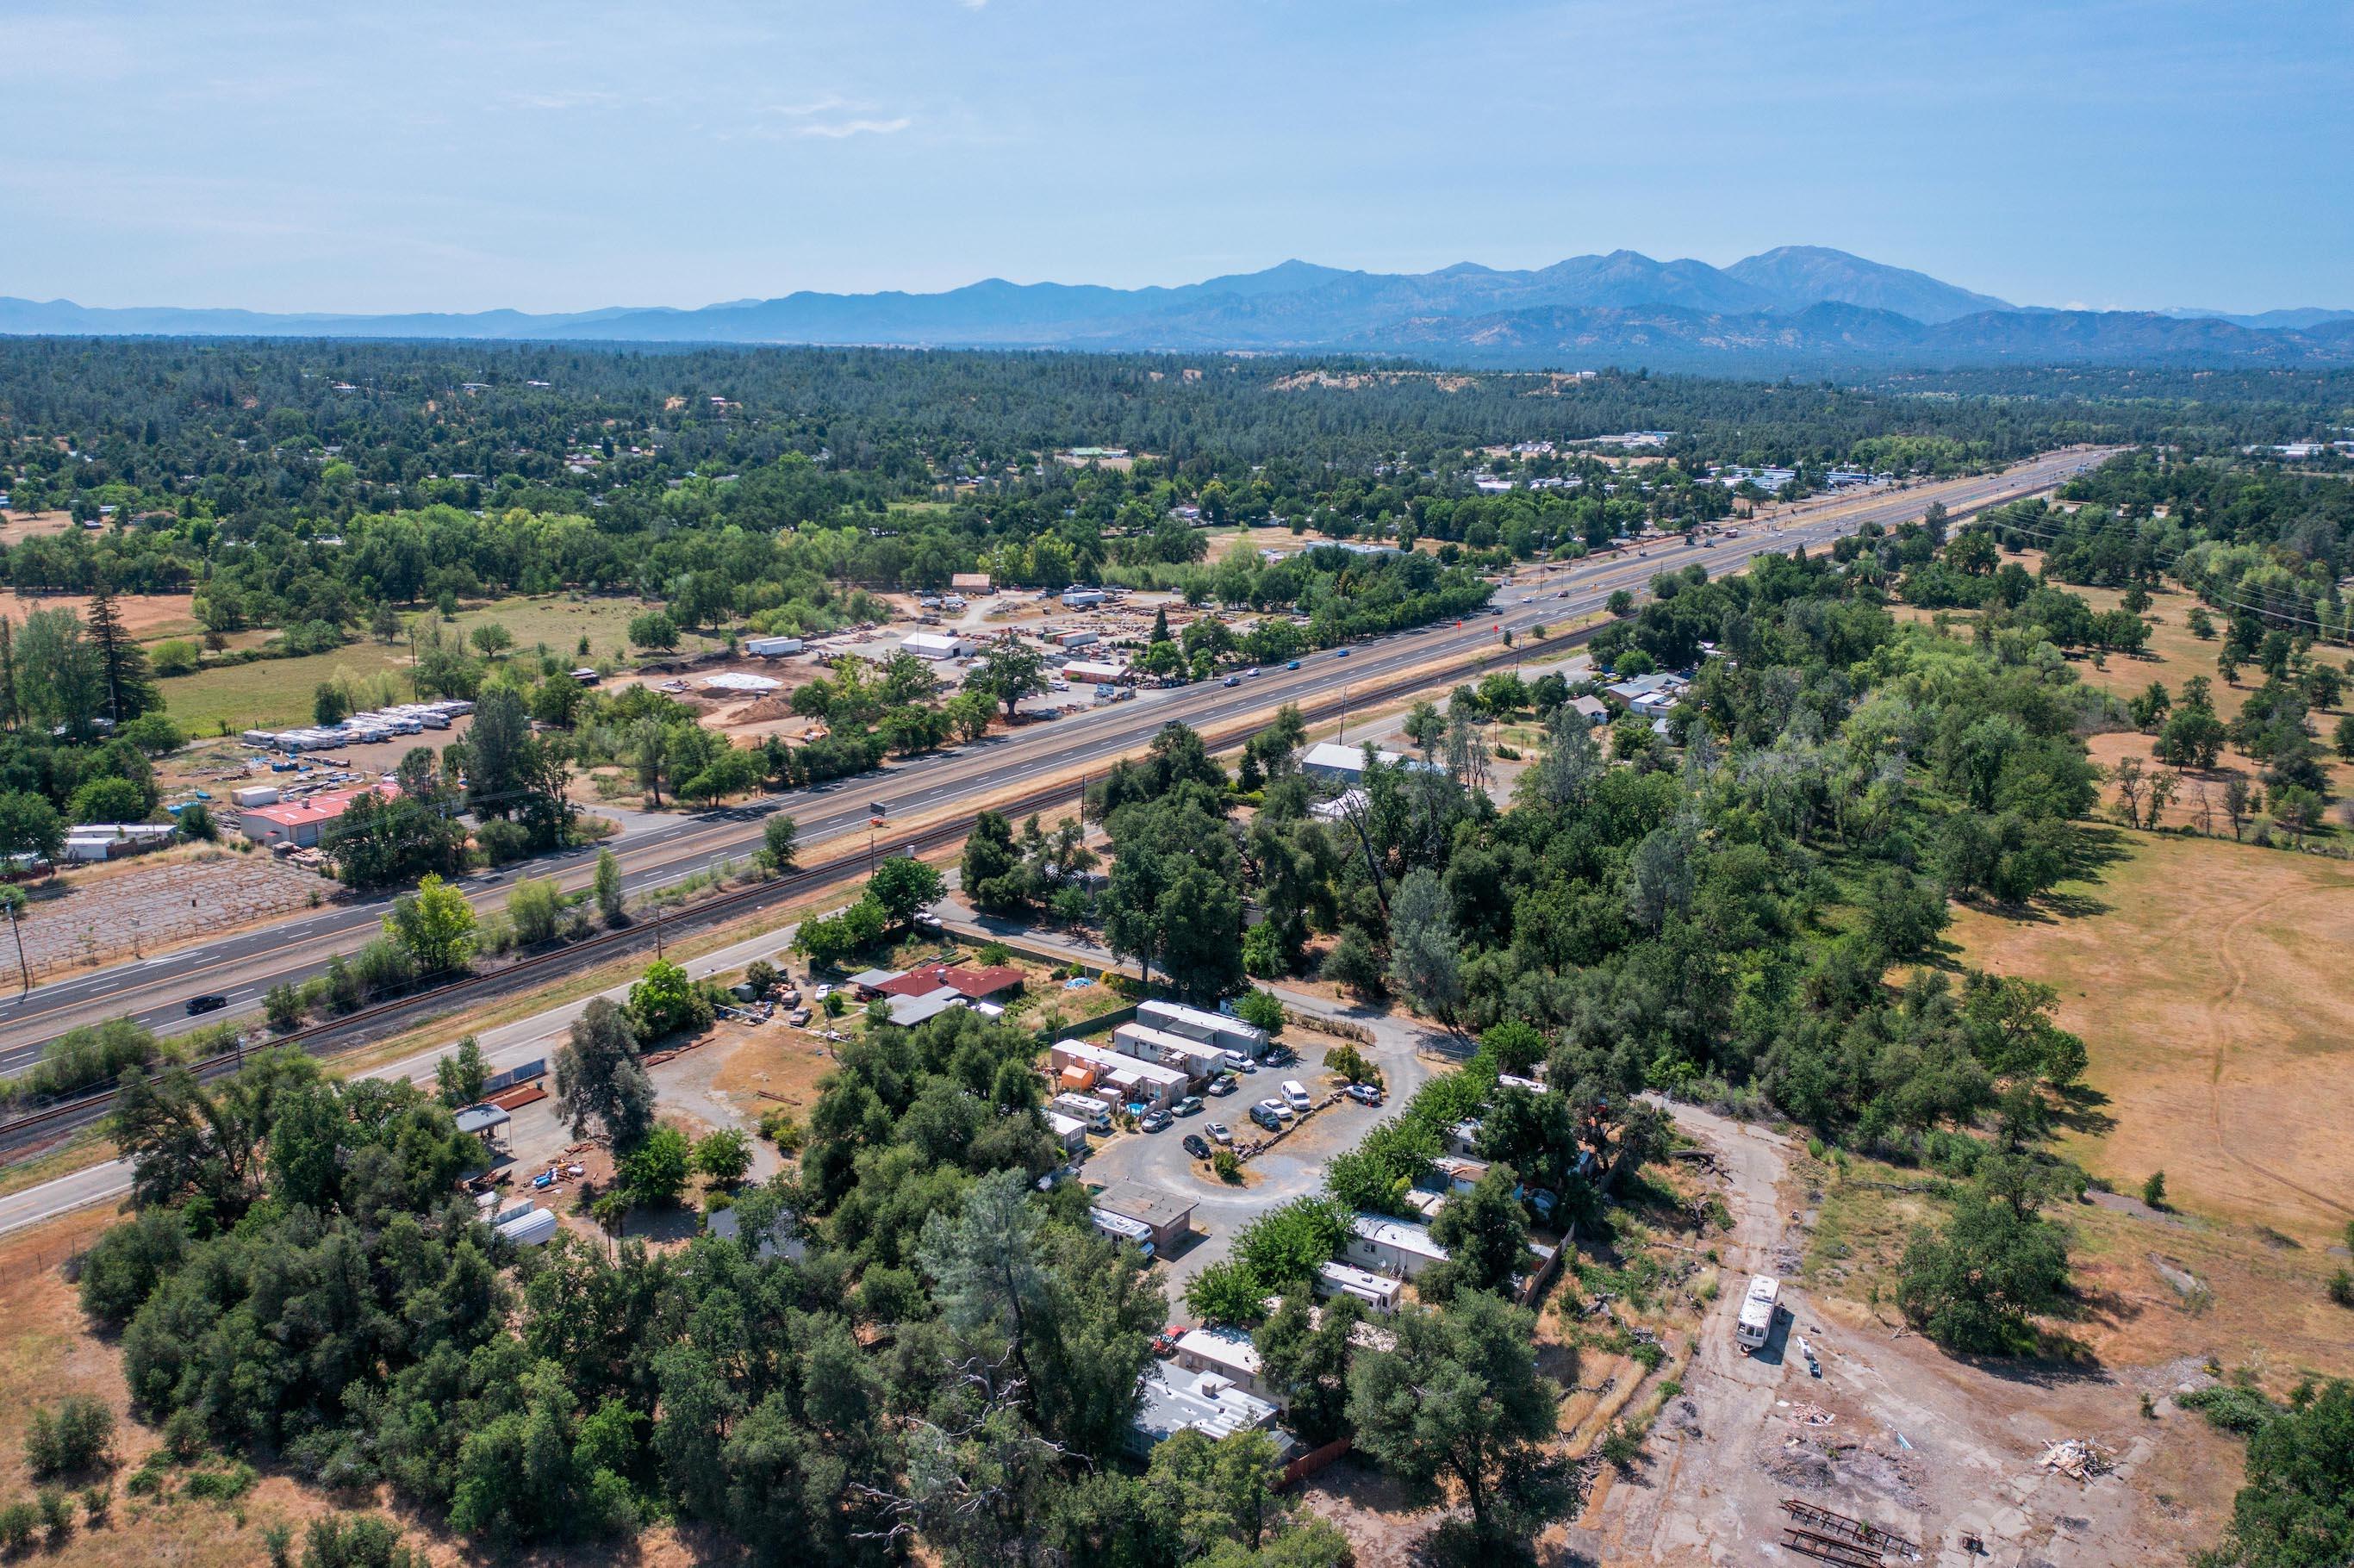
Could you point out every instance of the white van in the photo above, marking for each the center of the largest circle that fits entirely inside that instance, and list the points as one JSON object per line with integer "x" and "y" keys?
{"x": 1295, "y": 1095}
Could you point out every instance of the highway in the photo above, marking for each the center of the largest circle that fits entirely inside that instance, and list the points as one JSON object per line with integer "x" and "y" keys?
{"x": 245, "y": 965}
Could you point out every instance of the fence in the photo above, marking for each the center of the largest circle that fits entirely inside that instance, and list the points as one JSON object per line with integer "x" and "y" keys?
{"x": 1315, "y": 1459}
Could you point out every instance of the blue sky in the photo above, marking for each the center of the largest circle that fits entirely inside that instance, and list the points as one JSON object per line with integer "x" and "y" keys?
{"x": 560, "y": 156}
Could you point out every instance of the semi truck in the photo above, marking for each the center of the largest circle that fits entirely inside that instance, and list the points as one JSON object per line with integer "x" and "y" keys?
{"x": 1757, "y": 1309}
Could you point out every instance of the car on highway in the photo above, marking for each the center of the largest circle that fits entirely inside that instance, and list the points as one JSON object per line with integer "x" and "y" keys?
{"x": 1195, "y": 1146}
{"x": 1155, "y": 1120}
{"x": 1343, "y": 653}
{"x": 1293, "y": 665}
{"x": 1190, "y": 1106}
{"x": 1233, "y": 680}
{"x": 1364, "y": 1093}
{"x": 1219, "y": 1132}
{"x": 1266, "y": 1119}
{"x": 1253, "y": 672}
{"x": 208, "y": 1002}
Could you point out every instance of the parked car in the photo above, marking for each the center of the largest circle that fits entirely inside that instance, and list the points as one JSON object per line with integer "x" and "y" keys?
{"x": 208, "y": 1002}
{"x": 1236, "y": 1062}
{"x": 1190, "y": 1106}
{"x": 799, "y": 1017}
{"x": 1295, "y": 1095}
{"x": 1364, "y": 1093}
{"x": 1219, "y": 1132}
{"x": 1155, "y": 1120}
{"x": 1282, "y": 1112}
{"x": 1223, "y": 1084}
{"x": 1196, "y": 1147}
{"x": 1165, "y": 1344}
{"x": 1266, "y": 1118}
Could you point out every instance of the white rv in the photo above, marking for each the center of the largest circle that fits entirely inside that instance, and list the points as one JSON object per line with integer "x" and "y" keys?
{"x": 1757, "y": 1309}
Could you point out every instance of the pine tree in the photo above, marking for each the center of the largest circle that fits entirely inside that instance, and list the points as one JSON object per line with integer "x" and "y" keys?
{"x": 123, "y": 662}
{"x": 9, "y": 709}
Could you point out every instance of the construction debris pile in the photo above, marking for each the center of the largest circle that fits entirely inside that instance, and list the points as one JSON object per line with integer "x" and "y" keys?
{"x": 1828, "y": 1537}
{"x": 2079, "y": 1457}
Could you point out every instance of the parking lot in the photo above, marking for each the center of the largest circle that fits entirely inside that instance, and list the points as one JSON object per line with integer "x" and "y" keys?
{"x": 1294, "y": 1166}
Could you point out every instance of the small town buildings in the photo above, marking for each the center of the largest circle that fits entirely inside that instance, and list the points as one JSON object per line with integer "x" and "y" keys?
{"x": 482, "y": 1121}
{"x": 935, "y": 645}
{"x": 1083, "y": 598}
{"x": 1096, "y": 671}
{"x": 972, "y": 582}
{"x": 1227, "y": 1033}
{"x": 907, "y": 1011}
{"x": 1339, "y": 763}
{"x": 1170, "y": 1401}
{"x": 1379, "y": 1293}
{"x": 1384, "y": 1246}
{"x": 1068, "y": 1130}
{"x": 1080, "y": 1068}
{"x": 773, "y": 647}
{"x": 1195, "y": 1058}
{"x": 1226, "y": 1354}
{"x": 301, "y": 824}
{"x": 1167, "y": 1218}
{"x": 1594, "y": 709}
{"x": 1651, "y": 696}
{"x": 87, "y": 842}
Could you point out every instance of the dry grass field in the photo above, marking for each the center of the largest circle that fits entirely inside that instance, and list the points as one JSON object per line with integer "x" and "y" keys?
{"x": 144, "y": 615}
{"x": 2210, "y": 982}
{"x": 278, "y": 692}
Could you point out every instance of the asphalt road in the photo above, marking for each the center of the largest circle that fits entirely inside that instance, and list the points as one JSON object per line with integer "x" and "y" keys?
{"x": 244, "y": 966}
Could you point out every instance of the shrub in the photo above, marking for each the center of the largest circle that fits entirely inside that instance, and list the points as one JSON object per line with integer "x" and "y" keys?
{"x": 1227, "y": 1164}
{"x": 175, "y": 657}
{"x": 2239, "y": 1410}
{"x": 75, "y": 1435}
{"x": 364, "y": 1540}
{"x": 18, "y": 1522}
{"x": 222, "y": 1486}
{"x": 2341, "y": 1288}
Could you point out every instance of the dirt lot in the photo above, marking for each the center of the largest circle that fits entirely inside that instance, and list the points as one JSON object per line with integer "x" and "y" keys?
{"x": 87, "y": 916}
{"x": 1894, "y": 1432}
{"x": 2209, "y": 982}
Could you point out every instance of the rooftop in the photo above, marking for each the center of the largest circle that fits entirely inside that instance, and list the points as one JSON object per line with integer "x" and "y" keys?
{"x": 1135, "y": 1201}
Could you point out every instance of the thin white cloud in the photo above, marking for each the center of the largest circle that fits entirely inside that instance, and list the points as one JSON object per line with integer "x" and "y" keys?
{"x": 836, "y": 130}
{"x": 814, "y": 106}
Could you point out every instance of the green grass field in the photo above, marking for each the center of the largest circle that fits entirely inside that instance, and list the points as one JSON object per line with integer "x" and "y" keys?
{"x": 278, "y": 692}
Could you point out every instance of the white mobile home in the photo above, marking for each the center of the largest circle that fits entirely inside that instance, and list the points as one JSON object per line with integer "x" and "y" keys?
{"x": 1211, "y": 1028}
{"x": 1384, "y": 1246}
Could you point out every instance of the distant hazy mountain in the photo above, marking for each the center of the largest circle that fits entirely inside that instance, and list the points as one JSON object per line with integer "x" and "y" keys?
{"x": 1798, "y": 276}
{"x": 1799, "y": 307}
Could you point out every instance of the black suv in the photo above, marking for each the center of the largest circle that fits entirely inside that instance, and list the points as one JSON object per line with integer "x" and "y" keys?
{"x": 206, "y": 1003}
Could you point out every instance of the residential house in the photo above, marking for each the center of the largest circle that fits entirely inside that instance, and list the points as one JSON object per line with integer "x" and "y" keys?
{"x": 1384, "y": 1246}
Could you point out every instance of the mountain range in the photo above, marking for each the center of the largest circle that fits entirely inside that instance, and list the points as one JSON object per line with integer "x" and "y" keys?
{"x": 1798, "y": 308}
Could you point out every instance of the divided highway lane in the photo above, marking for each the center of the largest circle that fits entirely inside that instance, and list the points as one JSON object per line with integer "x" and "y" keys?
{"x": 243, "y": 966}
